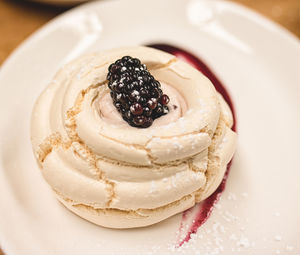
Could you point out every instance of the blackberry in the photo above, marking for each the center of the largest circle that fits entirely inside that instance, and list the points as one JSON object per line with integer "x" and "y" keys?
{"x": 135, "y": 92}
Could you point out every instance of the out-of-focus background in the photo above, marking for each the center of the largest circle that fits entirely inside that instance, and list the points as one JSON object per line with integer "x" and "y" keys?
{"x": 20, "y": 18}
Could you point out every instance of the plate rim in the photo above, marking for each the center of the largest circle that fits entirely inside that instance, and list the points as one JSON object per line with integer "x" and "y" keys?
{"x": 243, "y": 10}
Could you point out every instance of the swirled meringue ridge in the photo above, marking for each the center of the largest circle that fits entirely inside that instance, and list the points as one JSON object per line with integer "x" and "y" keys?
{"x": 119, "y": 176}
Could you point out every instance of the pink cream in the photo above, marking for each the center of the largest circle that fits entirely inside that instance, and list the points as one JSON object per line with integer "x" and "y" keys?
{"x": 177, "y": 107}
{"x": 204, "y": 208}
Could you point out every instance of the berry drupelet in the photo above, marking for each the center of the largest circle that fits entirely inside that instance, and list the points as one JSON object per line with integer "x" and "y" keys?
{"x": 135, "y": 93}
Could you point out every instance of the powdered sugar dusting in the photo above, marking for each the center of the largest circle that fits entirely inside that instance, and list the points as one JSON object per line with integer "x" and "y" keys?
{"x": 225, "y": 233}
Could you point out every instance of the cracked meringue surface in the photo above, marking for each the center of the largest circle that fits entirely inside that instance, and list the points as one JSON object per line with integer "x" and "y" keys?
{"x": 120, "y": 176}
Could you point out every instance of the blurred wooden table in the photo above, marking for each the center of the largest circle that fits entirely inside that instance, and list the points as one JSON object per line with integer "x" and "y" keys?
{"x": 19, "y": 19}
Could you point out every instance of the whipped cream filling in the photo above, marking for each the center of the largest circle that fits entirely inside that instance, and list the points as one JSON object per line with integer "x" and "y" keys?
{"x": 177, "y": 108}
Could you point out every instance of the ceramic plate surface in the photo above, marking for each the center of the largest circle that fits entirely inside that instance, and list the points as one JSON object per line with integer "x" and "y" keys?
{"x": 259, "y": 64}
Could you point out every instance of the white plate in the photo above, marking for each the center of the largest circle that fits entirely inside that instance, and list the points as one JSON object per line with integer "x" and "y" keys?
{"x": 258, "y": 62}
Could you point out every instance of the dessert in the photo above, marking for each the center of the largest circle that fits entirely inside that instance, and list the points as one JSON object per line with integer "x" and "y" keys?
{"x": 122, "y": 176}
